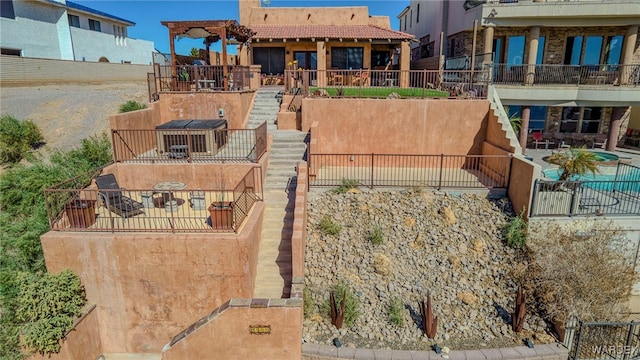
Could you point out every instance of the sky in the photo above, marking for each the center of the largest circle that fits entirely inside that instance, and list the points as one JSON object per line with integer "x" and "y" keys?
{"x": 147, "y": 15}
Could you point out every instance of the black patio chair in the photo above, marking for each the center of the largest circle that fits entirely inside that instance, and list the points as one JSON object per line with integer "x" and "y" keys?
{"x": 113, "y": 198}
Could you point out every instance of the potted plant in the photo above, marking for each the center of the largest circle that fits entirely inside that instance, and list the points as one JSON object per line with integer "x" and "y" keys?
{"x": 221, "y": 210}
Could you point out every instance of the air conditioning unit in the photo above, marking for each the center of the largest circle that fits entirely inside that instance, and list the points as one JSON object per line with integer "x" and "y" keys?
{"x": 179, "y": 139}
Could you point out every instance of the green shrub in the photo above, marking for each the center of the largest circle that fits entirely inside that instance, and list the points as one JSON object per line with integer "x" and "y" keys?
{"x": 375, "y": 236}
{"x": 328, "y": 227}
{"x": 47, "y": 305}
{"x": 308, "y": 304}
{"x": 132, "y": 105}
{"x": 17, "y": 139}
{"x": 515, "y": 232}
{"x": 396, "y": 312}
{"x": 351, "y": 304}
{"x": 346, "y": 185}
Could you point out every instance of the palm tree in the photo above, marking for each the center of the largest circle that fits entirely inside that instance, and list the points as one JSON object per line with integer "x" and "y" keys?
{"x": 574, "y": 161}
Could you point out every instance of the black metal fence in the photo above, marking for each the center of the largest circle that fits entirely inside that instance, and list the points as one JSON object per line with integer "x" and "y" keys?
{"x": 78, "y": 205}
{"x": 620, "y": 196}
{"x": 430, "y": 171}
{"x": 550, "y": 74}
{"x": 605, "y": 340}
{"x": 185, "y": 145}
{"x": 191, "y": 78}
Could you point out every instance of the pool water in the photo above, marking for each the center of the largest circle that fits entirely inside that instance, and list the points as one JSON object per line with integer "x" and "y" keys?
{"x": 604, "y": 156}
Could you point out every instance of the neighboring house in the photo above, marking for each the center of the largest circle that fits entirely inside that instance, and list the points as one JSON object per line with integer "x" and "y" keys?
{"x": 578, "y": 59}
{"x": 55, "y": 29}
{"x": 328, "y": 38}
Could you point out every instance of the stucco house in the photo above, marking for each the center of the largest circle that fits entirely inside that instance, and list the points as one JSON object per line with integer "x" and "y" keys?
{"x": 59, "y": 29}
{"x": 323, "y": 39}
{"x": 578, "y": 61}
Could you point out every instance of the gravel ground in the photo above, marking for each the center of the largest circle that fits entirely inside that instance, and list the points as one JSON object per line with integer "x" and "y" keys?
{"x": 68, "y": 113}
{"x": 448, "y": 245}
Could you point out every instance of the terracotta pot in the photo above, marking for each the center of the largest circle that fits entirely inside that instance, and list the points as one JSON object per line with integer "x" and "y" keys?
{"x": 221, "y": 215}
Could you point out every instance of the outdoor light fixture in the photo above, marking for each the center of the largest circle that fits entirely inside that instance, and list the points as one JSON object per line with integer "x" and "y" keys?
{"x": 221, "y": 113}
{"x": 352, "y": 158}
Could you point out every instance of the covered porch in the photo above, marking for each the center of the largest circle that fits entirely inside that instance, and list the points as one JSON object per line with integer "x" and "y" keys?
{"x": 329, "y": 49}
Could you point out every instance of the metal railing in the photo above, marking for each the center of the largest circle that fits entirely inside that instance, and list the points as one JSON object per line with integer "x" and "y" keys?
{"x": 383, "y": 83}
{"x": 189, "y": 145}
{"x": 429, "y": 171}
{"x": 603, "y": 74}
{"x": 620, "y": 196}
{"x": 191, "y": 78}
{"x": 77, "y": 205}
{"x": 606, "y": 340}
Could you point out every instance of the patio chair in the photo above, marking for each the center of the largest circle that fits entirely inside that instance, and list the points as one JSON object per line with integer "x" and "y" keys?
{"x": 548, "y": 138}
{"x": 577, "y": 139}
{"x": 538, "y": 139}
{"x": 600, "y": 141}
{"x": 361, "y": 78}
{"x": 560, "y": 139}
{"x": 113, "y": 198}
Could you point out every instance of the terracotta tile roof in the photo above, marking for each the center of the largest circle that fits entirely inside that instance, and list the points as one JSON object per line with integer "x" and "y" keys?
{"x": 327, "y": 31}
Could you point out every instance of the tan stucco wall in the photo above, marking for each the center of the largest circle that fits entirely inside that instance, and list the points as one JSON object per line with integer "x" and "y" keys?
{"x": 356, "y": 15}
{"x": 149, "y": 286}
{"x": 496, "y": 136}
{"x": 82, "y": 342}
{"x": 236, "y": 106}
{"x": 228, "y": 337}
{"x": 147, "y": 118}
{"x": 523, "y": 175}
{"x": 403, "y": 126}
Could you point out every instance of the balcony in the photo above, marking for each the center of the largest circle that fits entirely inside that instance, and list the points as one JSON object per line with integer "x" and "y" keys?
{"x": 79, "y": 205}
{"x": 168, "y": 146}
{"x": 366, "y": 83}
{"x": 199, "y": 78}
{"x": 570, "y": 75}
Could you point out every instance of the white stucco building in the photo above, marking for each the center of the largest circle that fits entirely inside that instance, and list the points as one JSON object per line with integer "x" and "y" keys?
{"x": 59, "y": 29}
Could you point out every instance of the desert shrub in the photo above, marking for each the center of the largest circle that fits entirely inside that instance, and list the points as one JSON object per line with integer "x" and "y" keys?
{"x": 131, "y": 105}
{"x": 351, "y": 304}
{"x": 17, "y": 139}
{"x": 48, "y": 304}
{"x": 583, "y": 269}
{"x": 375, "y": 236}
{"x": 396, "y": 312}
{"x": 515, "y": 232}
{"x": 23, "y": 219}
{"x": 308, "y": 303}
{"x": 328, "y": 227}
{"x": 346, "y": 185}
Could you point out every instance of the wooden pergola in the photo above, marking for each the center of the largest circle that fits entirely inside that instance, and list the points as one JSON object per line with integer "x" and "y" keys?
{"x": 212, "y": 31}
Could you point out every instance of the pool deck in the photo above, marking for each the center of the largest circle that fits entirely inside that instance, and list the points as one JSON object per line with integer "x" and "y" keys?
{"x": 632, "y": 156}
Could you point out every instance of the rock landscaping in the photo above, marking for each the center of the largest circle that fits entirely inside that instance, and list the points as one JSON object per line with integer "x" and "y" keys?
{"x": 401, "y": 245}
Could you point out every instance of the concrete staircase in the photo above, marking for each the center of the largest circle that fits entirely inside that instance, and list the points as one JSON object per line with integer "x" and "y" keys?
{"x": 273, "y": 279}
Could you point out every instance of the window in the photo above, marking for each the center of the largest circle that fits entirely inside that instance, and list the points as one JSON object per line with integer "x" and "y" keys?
{"x": 347, "y": 57}
{"x": 593, "y": 47}
{"x": 572, "y": 50}
{"x": 379, "y": 58}
{"x": 94, "y": 25}
{"x": 586, "y": 119}
{"x": 515, "y": 50}
{"x": 537, "y": 116}
{"x": 307, "y": 60}
{"x": 540, "y": 55}
{"x": 411, "y": 19}
{"x": 613, "y": 50}
{"x": 74, "y": 20}
{"x": 270, "y": 58}
{"x": 418, "y": 13}
{"x": 6, "y": 9}
{"x": 427, "y": 50}
{"x": 405, "y": 23}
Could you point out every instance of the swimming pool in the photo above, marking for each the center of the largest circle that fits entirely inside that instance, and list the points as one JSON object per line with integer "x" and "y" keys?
{"x": 605, "y": 158}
